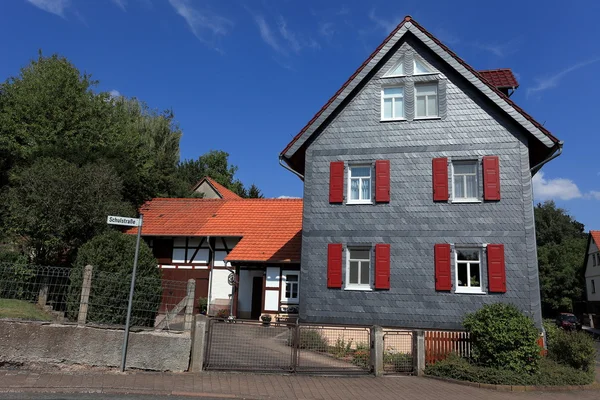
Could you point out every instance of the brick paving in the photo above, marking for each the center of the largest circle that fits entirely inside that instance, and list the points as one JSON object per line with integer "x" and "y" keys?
{"x": 257, "y": 386}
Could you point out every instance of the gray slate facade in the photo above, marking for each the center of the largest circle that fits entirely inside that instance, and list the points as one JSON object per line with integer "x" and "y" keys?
{"x": 469, "y": 126}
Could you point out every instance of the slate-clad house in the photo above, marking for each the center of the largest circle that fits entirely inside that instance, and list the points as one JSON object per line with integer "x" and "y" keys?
{"x": 592, "y": 272}
{"x": 418, "y": 204}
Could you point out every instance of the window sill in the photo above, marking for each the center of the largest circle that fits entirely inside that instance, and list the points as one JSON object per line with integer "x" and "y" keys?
{"x": 466, "y": 201}
{"x": 392, "y": 120}
{"x": 350, "y": 203}
{"x": 290, "y": 302}
{"x": 426, "y": 118}
{"x": 466, "y": 291}
{"x": 359, "y": 288}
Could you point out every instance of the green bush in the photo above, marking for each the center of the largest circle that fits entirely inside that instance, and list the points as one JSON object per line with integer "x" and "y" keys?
{"x": 503, "y": 337}
{"x": 401, "y": 362}
{"x": 551, "y": 331}
{"x": 311, "y": 339}
{"x": 15, "y": 276}
{"x": 362, "y": 358}
{"x": 575, "y": 349}
{"x": 111, "y": 255}
{"x": 549, "y": 373}
{"x": 341, "y": 348}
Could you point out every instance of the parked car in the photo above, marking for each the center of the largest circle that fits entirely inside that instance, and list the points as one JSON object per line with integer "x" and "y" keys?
{"x": 568, "y": 321}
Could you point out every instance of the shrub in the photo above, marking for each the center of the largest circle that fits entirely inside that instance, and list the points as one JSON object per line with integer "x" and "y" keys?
{"x": 15, "y": 276}
{"x": 551, "y": 331}
{"x": 401, "y": 362}
{"x": 311, "y": 339}
{"x": 342, "y": 348}
{"x": 576, "y": 349}
{"x": 111, "y": 255}
{"x": 223, "y": 313}
{"x": 362, "y": 358}
{"x": 549, "y": 373}
{"x": 503, "y": 337}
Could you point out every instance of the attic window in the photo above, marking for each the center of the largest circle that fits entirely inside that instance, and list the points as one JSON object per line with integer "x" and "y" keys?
{"x": 397, "y": 70}
{"x": 420, "y": 68}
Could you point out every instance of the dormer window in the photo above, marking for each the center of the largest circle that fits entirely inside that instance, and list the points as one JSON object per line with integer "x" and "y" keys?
{"x": 392, "y": 103}
{"x": 397, "y": 70}
{"x": 420, "y": 68}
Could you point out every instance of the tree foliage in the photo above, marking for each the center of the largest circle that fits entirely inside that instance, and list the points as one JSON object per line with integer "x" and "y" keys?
{"x": 111, "y": 256}
{"x": 561, "y": 246}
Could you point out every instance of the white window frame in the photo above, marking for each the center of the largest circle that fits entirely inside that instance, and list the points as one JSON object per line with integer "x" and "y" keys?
{"x": 384, "y": 96}
{"x": 360, "y": 181}
{"x": 361, "y": 286}
{"x": 430, "y": 72}
{"x": 437, "y": 101}
{"x": 477, "y": 198}
{"x": 284, "y": 298}
{"x": 468, "y": 288}
{"x": 389, "y": 74}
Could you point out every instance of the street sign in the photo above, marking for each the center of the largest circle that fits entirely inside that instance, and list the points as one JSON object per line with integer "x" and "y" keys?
{"x": 114, "y": 220}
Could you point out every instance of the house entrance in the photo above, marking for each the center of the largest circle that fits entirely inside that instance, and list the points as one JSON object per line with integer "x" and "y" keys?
{"x": 257, "y": 297}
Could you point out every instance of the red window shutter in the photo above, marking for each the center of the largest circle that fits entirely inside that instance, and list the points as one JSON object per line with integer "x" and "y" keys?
{"x": 496, "y": 269}
{"x": 491, "y": 178}
{"x": 440, "y": 179}
{"x": 336, "y": 182}
{"x": 334, "y": 265}
{"x": 443, "y": 280}
{"x": 382, "y": 181}
{"x": 382, "y": 266}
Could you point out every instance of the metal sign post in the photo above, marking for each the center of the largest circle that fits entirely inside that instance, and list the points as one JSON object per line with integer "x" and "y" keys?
{"x": 129, "y": 222}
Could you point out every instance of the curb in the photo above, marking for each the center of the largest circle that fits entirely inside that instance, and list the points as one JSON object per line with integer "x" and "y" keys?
{"x": 517, "y": 388}
{"x": 82, "y": 390}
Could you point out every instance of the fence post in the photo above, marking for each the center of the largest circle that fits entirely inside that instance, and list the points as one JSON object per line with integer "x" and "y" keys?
{"x": 377, "y": 350}
{"x": 199, "y": 333}
{"x": 86, "y": 285}
{"x": 189, "y": 305}
{"x": 418, "y": 352}
{"x": 43, "y": 296}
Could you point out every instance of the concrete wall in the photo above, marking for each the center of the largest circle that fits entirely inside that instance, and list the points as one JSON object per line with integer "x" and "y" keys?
{"x": 50, "y": 343}
{"x": 469, "y": 127}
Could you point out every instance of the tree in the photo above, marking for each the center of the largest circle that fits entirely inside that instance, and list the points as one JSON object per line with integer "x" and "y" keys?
{"x": 111, "y": 256}
{"x": 53, "y": 207}
{"x": 561, "y": 244}
{"x": 254, "y": 192}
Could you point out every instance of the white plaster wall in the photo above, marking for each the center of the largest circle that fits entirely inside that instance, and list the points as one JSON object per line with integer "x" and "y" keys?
{"x": 220, "y": 288}
{"x": 272, "y": 300}
{"x": 245, "y": 290}
{"x": 273, "y": 277}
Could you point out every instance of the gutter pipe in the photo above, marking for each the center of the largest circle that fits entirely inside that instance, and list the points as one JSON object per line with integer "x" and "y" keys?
{"x": 289, "y": 169}
{"x": 537, "y": 167}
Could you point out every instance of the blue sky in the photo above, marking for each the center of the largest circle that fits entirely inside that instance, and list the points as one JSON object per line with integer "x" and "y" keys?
{"x": 245, "y": 76}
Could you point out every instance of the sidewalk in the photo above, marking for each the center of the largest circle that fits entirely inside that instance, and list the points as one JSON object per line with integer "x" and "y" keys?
{"x": 256, "y": 386}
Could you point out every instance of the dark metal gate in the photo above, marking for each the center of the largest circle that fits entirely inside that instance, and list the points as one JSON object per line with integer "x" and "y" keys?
{"x": 397, "y": 352}
{"x": 280, "y": 347}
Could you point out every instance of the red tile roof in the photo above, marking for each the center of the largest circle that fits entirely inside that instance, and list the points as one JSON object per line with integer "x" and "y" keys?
{"x": 446, "y": 49}
{"x": 270, "y": 228}
{"x": 220, "y": 189}
{"x": 596, "y": 237}
{"x": 500, "y": 78}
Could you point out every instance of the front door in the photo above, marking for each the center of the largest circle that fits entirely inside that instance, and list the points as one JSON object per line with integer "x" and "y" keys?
{"x": 257, "y": 297}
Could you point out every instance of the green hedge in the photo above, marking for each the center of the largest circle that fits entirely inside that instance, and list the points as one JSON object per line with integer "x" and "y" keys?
{"x": 575, "y": 349}
{"x": 549, "y": 373}
{"x": 111, "y": 254}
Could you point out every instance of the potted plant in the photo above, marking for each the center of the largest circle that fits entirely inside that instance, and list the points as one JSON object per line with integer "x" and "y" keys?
{"x": 266, "y": 319}
{"x": 202, "y": 302}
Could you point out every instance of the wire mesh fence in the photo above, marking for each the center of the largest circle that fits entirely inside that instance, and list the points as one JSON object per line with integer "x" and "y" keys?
{"x": 93, "y": 297}
{"x": 397, "y": 352}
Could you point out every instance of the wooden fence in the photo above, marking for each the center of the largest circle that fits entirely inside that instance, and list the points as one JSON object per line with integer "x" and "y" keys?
{"x": 438, "y": 344}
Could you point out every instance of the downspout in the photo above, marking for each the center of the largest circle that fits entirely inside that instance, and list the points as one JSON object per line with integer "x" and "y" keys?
{"x": 537, "y": 167}
{"x": 289, "y": 169}
{"x": 210, "y": 274}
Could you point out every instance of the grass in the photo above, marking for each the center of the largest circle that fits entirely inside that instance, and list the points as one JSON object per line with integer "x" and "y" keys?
{"x": 20, "y": 309}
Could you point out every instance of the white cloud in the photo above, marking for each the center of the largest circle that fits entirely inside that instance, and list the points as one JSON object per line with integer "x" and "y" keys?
{"x": 114, "y": 93}
{"x": 56, "y": 7}
{"x": 288, "y": 197}
{"x": 553, "y": 80}
{"x": 206, "y": 25}
{"x": 283, "y": 39}
{"x": 326, "y": 30}
{"x": 594, "y": 195}
{"x": 500, "y": 49}
{"x": 388, "y": 25}
{"x": 122, "y": 4}
{"x": 267, "y": 34}
{"x": 558, "y": 188}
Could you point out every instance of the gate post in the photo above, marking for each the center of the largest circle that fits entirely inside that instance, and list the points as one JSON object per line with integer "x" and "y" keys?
{"x": 189, "y": 305}
{"x": 86, "y": 286}
{"x": 199, "y": 333}
{"x": 377, "y": 350}
{"x": 418, "y": 352}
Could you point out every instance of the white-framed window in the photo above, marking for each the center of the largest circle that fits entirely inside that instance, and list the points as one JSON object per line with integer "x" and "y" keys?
{"x": 359, "y": 184}
{"x": 420, "y": 68}
{"x": 468, "y": 270}
{"x": 465, "y": 181}
{"x": 392, "y": 103}
{"x": 290, "y": 283}
{"x": 358, "y": 268}
{"x": 396, "y": 70}
{"x": 426, "y": 100}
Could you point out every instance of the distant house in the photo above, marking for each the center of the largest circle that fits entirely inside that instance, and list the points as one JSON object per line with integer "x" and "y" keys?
{"x": 592, "y": 272}
{"x": 417, "y": 191}
{"x": 244, "y": 254}
{"x": 208, "y": 188}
